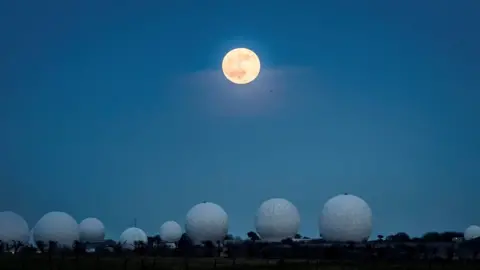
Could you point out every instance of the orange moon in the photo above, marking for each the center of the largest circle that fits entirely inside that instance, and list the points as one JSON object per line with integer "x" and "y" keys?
{"x": 241, "y": 66}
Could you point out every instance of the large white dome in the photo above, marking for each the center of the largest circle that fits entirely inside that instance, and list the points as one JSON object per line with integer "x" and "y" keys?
{"x": 13, "y": 228}
{"x": 132, "y": 235}
{"x": 206, "y": 222}
{"x": 345, "y": 218}
{"x": 91, "y": 230}
{"x": 59, "y": 227}
{"x": 170, "y": 232}
{"x": 471, "y": 232}
{"x": 277, "y": 219}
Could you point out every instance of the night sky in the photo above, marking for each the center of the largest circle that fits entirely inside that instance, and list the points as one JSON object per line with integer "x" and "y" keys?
{"x": 119, "y": 110}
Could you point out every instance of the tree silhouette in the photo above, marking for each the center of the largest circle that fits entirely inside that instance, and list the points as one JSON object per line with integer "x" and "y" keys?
{"x": 185, "y": 246}
{"x": 28, "y": 249}
{"x": 288, "y": 241}
{"x": 253, "y": 236}
{"x": 158, "y": 249}
{"x": 380, "y": 237}
{"x": 400, "y": 237}
{"x": 140, "y": 247}
{"x": 118, "y": 248}
{"x": 52, "y": 248}
{"x": 210, "y": 247}
{"x": 157, "y": 240}
{"x": 41, "y": 246}
{"x": 232, "y": 251}
{"x": 219, "y": 248}
{"x": 431, "y": 237}
{"x": 449, "y": 236}
{"x": 185, "y": 242}
{"x": 16, "y": 245}
{"x": 150, "y": 242}
{"x": 417, "y": 239}
{"x": 78, "y": 249}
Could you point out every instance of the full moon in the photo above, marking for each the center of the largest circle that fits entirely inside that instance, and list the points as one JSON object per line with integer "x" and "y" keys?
{"x": 241, "y": 66}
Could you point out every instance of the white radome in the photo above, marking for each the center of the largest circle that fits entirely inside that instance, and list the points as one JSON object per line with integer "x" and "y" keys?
{"x": 170, "y": 232}
{"x": 345, "y": 218}
{"x": 91, "y": 230}
{"x": 471, "y": 232}
{"x": 132, "y": 235}
{"x": 277, "y": 219}
{"x": 58, "y": 227}
{"x": 13, "y": 228}
{"x": 206, "y": 222}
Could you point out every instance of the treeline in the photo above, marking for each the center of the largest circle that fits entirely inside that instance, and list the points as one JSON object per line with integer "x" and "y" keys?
{"x": 185, "y": 242}
{"x": 427, "y": 237}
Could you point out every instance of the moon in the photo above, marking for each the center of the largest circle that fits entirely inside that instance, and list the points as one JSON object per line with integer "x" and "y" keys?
{"x": 241, "y": 66}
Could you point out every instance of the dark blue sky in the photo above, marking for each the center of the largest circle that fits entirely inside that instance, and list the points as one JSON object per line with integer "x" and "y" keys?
{"x": 119, "y": 109}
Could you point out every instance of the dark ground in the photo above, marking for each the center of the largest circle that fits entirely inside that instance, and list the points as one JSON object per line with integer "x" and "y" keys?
{"x": 40, "y": 262}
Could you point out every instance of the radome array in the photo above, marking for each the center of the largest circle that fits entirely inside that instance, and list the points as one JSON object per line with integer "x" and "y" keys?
{"x": 343, "y": 218}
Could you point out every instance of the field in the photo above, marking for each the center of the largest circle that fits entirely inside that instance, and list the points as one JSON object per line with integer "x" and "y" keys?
{"x": 40, "y": 262}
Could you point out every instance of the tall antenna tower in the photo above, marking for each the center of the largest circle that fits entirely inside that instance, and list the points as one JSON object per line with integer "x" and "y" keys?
{"x": 135, "y": 222}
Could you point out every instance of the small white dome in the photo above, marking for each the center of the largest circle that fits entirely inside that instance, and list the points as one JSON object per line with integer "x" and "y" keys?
{"x": 132, "y": 235}
{"x": 471, "y": 232}
{"x": 170, "y": 232}
{"x": 345, "y": 218}
{"x": 277, "y": 219}
{"x": 58, "y": 227}
{"x": 206, "y": 222}
{"x": 13, "y": 228}
{"x": 91, "y": 230}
